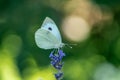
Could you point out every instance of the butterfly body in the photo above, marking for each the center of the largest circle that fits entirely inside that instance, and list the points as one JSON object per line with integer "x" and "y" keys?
{"x": 48, "y": 36}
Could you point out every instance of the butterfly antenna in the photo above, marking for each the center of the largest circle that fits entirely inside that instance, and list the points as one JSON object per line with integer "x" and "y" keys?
{"x": 69, "y": 45}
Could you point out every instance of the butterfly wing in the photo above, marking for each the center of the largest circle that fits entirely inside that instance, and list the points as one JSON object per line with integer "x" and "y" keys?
{"x": 44, "y": 39}
{"x": 48, "y": 36}
{"x": 50, "y": 25}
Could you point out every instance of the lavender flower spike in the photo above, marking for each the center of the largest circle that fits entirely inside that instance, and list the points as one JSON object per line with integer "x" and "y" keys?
{"x": 56, "y": 62}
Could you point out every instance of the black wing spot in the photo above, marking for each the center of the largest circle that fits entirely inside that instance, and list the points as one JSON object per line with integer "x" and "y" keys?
{"x": 49, "y": 28}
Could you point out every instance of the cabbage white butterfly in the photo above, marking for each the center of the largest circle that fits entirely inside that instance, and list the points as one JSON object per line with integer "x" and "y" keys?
{"x": 48, "y": 36}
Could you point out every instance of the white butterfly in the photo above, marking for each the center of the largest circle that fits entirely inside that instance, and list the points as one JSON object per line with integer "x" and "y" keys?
{"x": 48, "y": 36}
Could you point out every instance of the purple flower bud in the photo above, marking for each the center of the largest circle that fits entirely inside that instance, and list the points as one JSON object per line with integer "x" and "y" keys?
{"x": 61, "y": 54}
{"x": 58, "y": 66}
{"x": 59, "y": 75}
{"x": 51, "y": 55}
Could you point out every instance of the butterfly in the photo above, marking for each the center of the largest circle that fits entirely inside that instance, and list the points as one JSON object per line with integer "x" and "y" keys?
{"x": 48, "y": 36}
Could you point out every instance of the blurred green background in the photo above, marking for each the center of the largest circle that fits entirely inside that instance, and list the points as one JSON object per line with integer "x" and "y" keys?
{"x": 21, "y": 59}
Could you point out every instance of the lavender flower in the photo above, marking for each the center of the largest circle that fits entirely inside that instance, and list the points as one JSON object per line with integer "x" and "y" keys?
{"x": 56, "y": 62}
{"x": 58, "y": 76}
